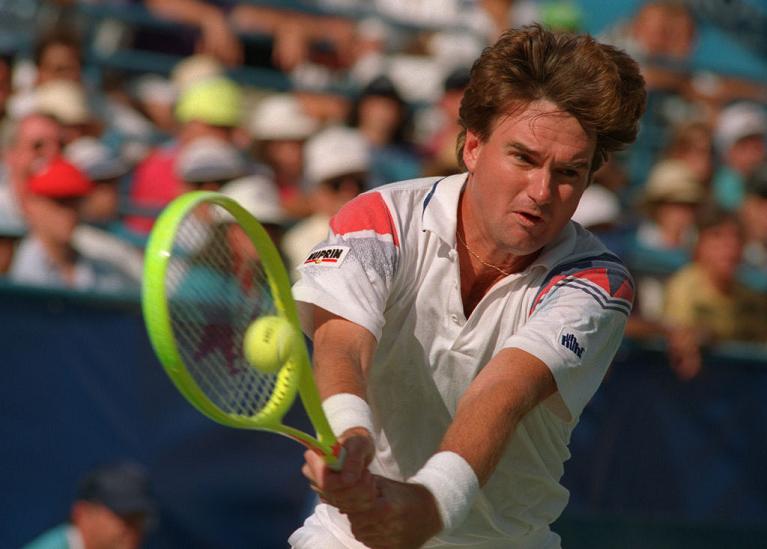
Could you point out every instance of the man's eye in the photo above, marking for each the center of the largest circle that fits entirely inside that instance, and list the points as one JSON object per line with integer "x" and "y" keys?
{"x": 521, "y": 158}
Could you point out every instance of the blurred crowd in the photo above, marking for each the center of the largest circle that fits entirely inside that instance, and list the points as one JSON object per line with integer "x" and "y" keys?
{"x": 375, "y": 87}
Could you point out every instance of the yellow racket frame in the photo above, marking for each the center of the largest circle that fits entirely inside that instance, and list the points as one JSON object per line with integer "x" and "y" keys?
{"x": 294, "y": 377}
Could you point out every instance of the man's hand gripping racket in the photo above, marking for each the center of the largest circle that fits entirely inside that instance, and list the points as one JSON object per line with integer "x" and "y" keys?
{"x": 222, "y": 320}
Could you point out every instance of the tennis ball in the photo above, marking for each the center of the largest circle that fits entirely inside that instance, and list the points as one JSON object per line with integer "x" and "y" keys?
{"x": 268, "y": 342}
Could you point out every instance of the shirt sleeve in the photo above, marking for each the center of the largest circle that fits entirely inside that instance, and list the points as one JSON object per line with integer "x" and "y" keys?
{"x": 350, "y": 274}
{"x": 575, "y": 327}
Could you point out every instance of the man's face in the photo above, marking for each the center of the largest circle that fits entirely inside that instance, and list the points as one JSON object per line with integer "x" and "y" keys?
{"x": 719, "y": 250}
{"x": 526, "y": 180}
{"x": 37, "y": 143}
{"x": 103, "y": 529}
{"x": 59, "y": 62}
{"x": 54, "y": 220}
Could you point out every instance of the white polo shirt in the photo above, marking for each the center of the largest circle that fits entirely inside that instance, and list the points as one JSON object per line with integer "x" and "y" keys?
{"x": 390, "y": 264}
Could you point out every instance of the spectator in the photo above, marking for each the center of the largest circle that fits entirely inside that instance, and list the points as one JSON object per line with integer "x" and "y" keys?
{"x": 739, "y": 137}
{"x": 6, "y": 83}
{"x": 293, "y": 33}
{"x": 384, "y": 119}
{"x": 753, "y": 215}
{"x": 259, "y": 196}
{"x": 692, "y": 143}
{"x": 665, "y": 235}
{"x": 334, "y": 179}
{"x": 599, "y": 211}
{"x": 67, "y": 102}
{"x": 57, "y": 56}
{"x": 226, "y": 264}
{"x": 100, "y": 235}
{"x": 705, "y": 303}
{"x": 11, "y": 232}
{"x": 207, "y": 163}
{"x": 105, "y": 169}
{"x": 279, "y": 127}
{"x": 211, "y": 107}
{"x": 46, "y": 256}
{"x": 28, "y": 145}
{"x": 440, "y": 142}
{"x": 113, "y": 509}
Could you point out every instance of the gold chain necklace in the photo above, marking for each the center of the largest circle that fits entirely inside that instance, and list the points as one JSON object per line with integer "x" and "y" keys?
{"x": 485, "y": 263}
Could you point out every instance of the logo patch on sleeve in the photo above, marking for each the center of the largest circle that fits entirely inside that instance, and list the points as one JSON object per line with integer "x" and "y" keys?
{"x": 572, "y": 344}
{"x": 329, "y": 256}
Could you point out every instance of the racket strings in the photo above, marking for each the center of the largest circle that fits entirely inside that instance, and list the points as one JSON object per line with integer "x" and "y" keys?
{"x": 218, "y": 291}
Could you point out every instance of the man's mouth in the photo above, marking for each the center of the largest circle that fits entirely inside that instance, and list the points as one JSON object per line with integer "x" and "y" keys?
{"x": 528, "y": 218}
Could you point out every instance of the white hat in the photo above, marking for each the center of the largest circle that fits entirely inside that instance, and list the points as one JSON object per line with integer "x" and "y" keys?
{"x": 673, "y": 181}
{"x": 737, "y": 121}
{"x": 95, "y": 159}
{"x": 598, "y": 206}
{"x": 65, "y": 100}
{"x": 281, "y": 116}
{"x": 209, "y": 159}
{"x": 335, "y": 151}
{"x": 258, "y": 195}
{"x": 153, "y": 88}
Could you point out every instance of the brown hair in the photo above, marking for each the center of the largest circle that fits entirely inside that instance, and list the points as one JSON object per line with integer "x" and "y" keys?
{"x": 597, "y": 84}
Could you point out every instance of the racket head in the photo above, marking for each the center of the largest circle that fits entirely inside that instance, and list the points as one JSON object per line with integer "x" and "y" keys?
{"x": 199, "y": 296}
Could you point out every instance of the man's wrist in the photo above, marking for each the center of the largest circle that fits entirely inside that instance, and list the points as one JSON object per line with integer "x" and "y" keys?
{"x": 453, "y": 484}
{"x": 347, "y": 411}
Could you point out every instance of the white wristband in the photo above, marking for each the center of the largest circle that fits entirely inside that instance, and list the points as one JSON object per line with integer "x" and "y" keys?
{"x": 452, "y": 482}
{"x": 345, "y": 410}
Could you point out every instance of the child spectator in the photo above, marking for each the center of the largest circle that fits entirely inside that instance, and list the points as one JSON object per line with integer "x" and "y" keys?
{"x": 705, "y": 302}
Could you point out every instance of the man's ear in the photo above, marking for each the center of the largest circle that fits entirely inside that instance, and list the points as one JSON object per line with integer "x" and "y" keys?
{"x": 471, "y": 149}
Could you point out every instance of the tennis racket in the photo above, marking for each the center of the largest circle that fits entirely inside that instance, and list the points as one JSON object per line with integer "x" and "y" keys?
{"x": 216, "y": 293}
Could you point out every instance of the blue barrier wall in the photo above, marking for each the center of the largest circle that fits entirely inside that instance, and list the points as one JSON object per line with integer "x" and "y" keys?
{"x": 80, "y": 387}
{"x": 655, "y": 462}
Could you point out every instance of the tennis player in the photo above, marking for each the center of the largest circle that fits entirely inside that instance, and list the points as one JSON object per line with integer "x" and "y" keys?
{"x": 460, "y": 325}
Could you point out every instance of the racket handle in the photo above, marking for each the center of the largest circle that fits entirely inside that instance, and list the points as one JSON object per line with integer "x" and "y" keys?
{"x": 336, "y": 458}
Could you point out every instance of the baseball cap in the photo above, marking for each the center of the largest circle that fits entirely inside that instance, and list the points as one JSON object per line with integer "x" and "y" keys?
{"x": 281, "y": 116}
{"x": 209, "y": 159}
{"x": 739, "y": 120}
{"x": 259, "y": 196}
{"x": 65, "y": 100}
{"x": 335, "y": 151}
{"x": 122, "y": 487}
{"x": 673, "y": 181}
{"x": 756, "y": 183}
{"x": 59, "y": 179}
{"x": 216, "y": 101}
{"x": 95, "y": 159}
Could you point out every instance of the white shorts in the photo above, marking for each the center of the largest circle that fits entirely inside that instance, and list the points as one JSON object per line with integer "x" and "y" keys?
{"x": 326, "y": 528}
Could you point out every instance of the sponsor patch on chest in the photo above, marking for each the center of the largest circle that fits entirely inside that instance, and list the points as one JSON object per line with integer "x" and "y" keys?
{"x": 329, "y": 256}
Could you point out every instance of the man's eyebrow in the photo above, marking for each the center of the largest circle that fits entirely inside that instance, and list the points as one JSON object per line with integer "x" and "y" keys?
{"x": 520, "y": 147}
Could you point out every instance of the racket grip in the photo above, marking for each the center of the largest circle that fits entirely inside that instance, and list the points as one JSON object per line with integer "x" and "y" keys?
{"x": 336, "y": 459}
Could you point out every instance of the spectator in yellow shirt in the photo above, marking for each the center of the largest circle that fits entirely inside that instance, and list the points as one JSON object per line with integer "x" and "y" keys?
{"x": 705, "y": 302}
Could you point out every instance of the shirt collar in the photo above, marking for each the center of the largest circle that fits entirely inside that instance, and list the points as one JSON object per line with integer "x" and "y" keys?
{"x": 440, "y": 207}
{"x": 440, "y": 214}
